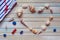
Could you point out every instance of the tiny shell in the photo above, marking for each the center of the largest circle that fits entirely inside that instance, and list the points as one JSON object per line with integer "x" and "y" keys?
{"x": 51, "y": 18}
{"x": 51, "y": 11}
{"x": 10, "y": 19}
{"x": 25, "y": 6}
{"x": 43, "y": 27}
{"x": 32, "y": 9}
{"x": 40, "y": 11}
{"x": 40, "y": 31}
{"x": 22, "y": 22}
{"x": 33, "y": 31}
{"x": 47, "y": 23}
{"x": 47, "y": 6}
{"x": 19, "y": 14}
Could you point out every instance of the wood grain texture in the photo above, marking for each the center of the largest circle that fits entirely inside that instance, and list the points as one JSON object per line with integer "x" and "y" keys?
{"x": 32, "y": 20}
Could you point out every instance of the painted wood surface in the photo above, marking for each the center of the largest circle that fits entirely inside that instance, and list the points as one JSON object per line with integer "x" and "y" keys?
{"x": 32, "y": 20}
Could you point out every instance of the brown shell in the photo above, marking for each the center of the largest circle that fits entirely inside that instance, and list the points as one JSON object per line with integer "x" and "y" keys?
{"x": 32, "y": 9}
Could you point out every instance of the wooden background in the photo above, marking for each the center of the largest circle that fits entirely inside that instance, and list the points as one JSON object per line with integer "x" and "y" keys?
{"x": 32, "y": 20}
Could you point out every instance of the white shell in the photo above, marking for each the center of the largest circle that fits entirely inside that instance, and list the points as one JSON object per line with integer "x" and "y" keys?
{"x": 48, "y": 22}
{"x": 19, "y": 14}
{"x": 43, "y": 27}
{"x": 24, "y": 6}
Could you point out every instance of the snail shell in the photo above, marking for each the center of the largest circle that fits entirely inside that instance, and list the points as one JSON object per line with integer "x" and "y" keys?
{"x": 32, "y": 9}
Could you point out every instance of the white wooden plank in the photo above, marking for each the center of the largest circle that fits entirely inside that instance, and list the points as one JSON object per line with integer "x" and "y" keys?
{"x": 41, "y": 4}
{"x": 34, "y": 15}
{"x": 30, "y": 24}
{"x": 38, "y": 1}
{"x": 41, "y": 19}
{"x": 18, "y": 8}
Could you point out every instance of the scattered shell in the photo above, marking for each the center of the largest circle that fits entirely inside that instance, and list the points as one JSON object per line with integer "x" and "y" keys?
{"x": 40, "y": 32}
{"x": 22, "y": 22}
{"x": 33, "y": 31}
{"x": 51, "y": 18}
{"x": 40, "y": 11}
{"x": 32, "y": 9}
{"x": 10, "y": 19}
{"x": 51, "y": 11}
{"x": 43, "y": 27}
{"x": 47, "y": 6}
{"x": 19, "y": 14}
{"x": 47, "y": 23}
{"x": 25, "y": 6}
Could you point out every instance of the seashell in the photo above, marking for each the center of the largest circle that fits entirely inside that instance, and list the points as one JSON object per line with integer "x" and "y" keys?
{"x": 19, "y": 14}
{"x": 32, "y": 9}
